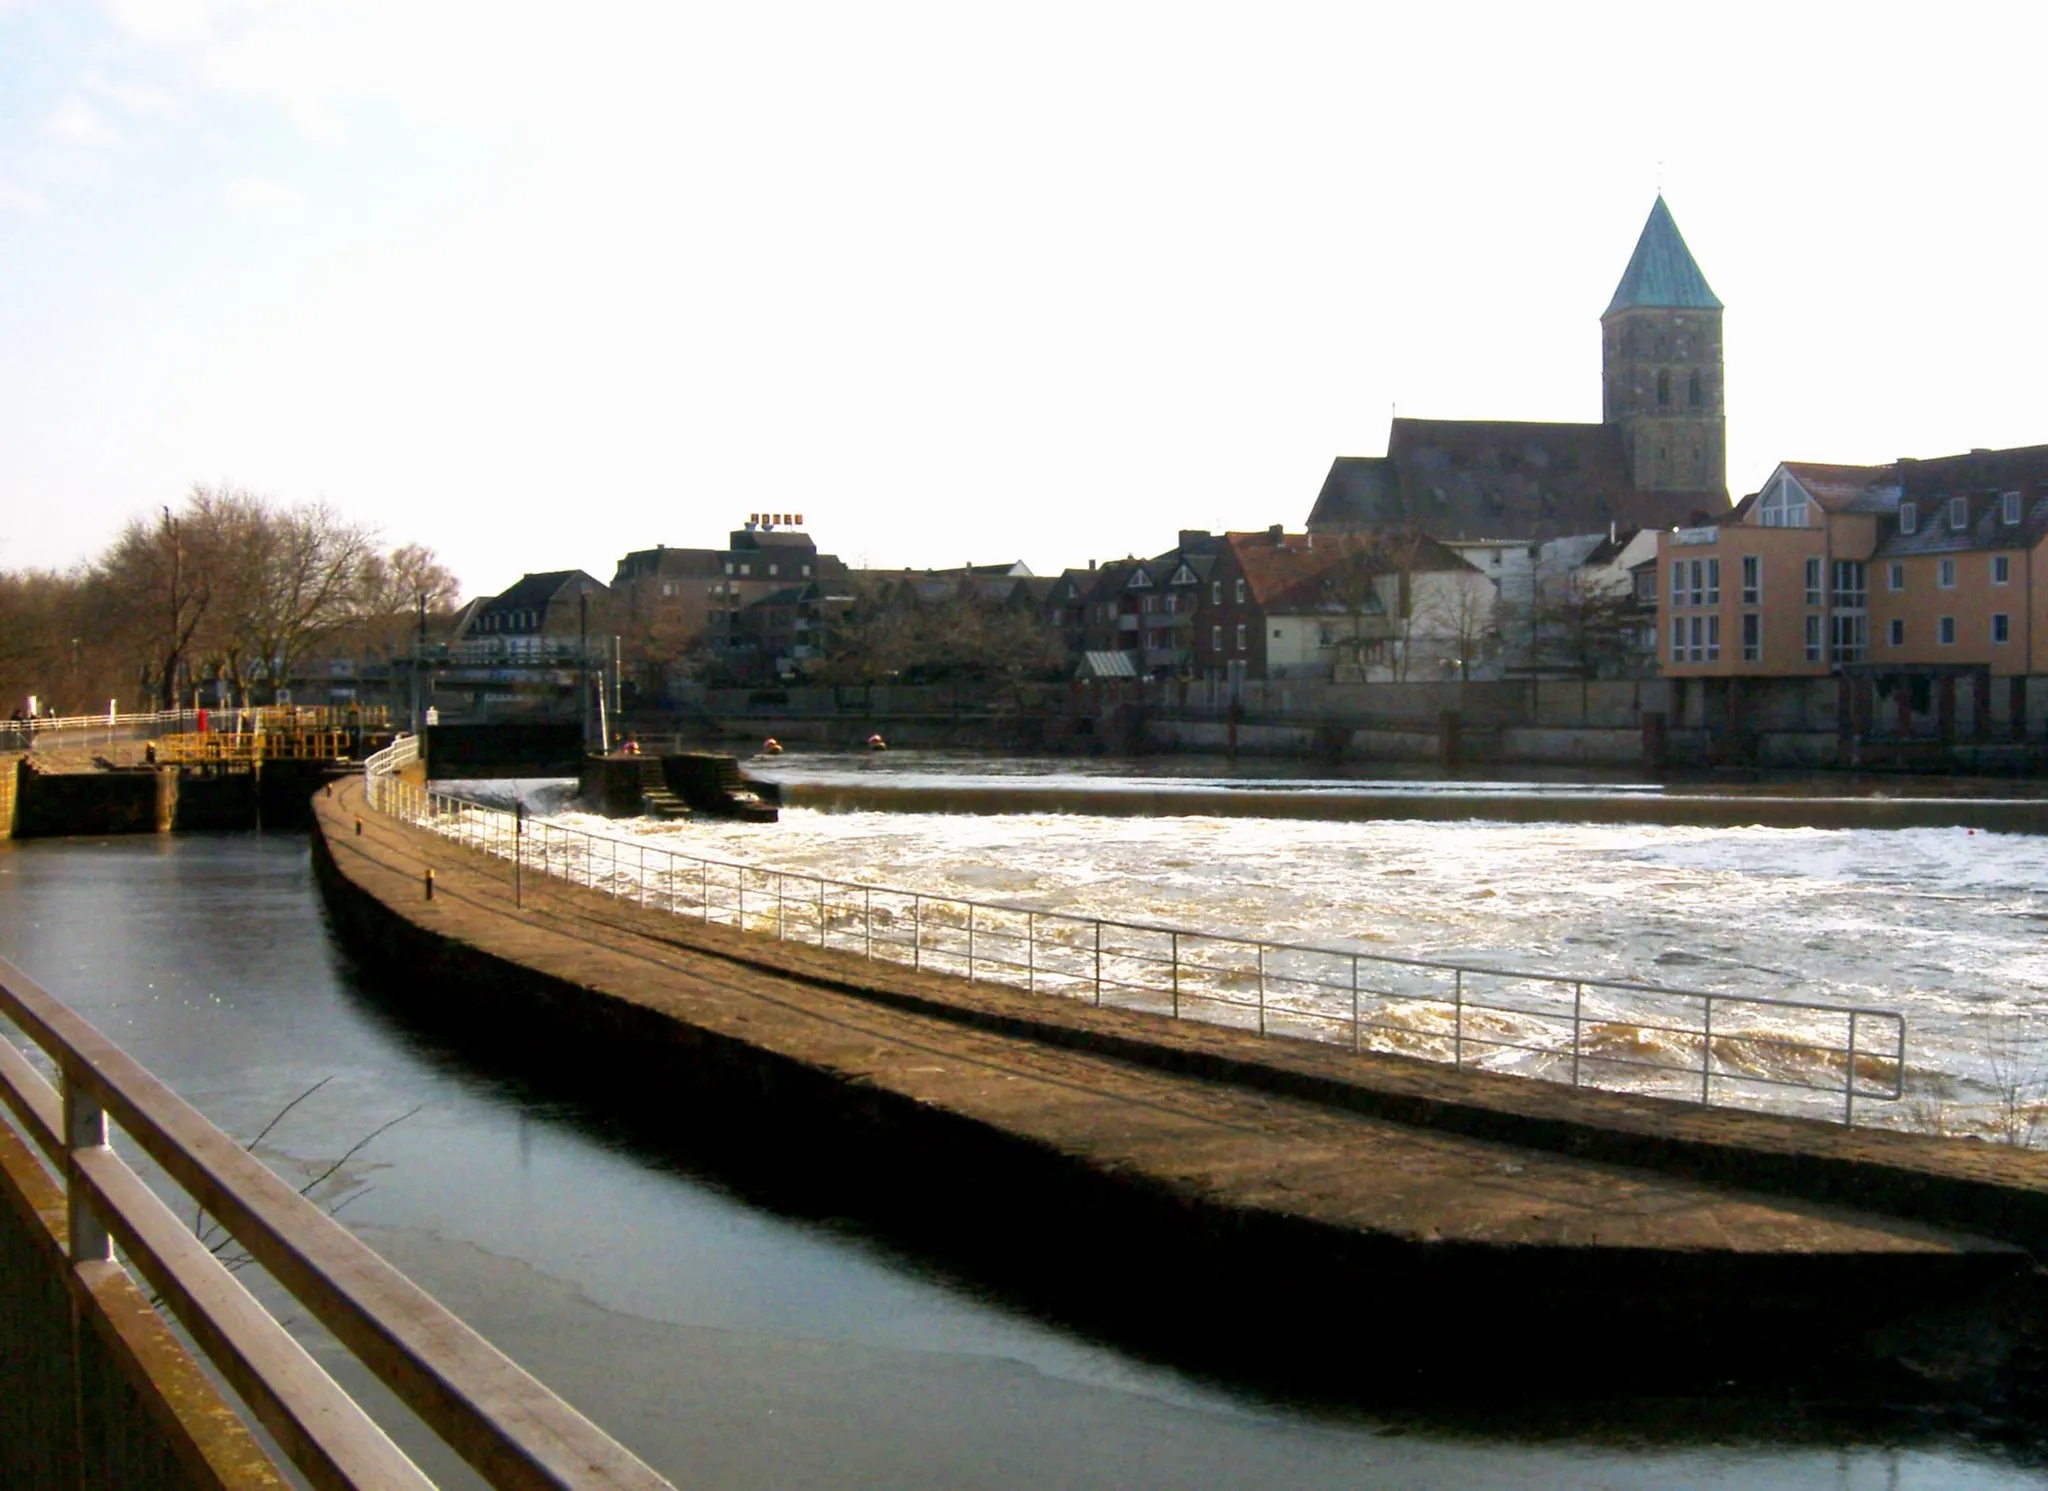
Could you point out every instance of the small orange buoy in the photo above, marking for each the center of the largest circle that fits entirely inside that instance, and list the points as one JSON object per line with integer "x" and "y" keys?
{"x": 771, "y": 747}
{"x": 876, "y": 743}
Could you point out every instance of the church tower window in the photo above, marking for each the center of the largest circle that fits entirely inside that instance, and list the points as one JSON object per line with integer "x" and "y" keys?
{"x": 1692, "y": 393}
{"x": 1663, "y": 387}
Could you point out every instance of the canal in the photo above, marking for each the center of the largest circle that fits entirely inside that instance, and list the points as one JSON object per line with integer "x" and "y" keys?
{"x": 732, "y": 1338}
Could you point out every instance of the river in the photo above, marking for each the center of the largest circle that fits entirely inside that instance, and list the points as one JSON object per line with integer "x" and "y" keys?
{"x": 729, "y": 1342}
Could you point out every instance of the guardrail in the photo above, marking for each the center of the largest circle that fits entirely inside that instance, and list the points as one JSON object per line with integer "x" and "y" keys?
{"x": 508, "y": 1426}
{"x": 223, "y": 748}
{"x": 1708, "y": 1047}
{"x": 403, "y": 751}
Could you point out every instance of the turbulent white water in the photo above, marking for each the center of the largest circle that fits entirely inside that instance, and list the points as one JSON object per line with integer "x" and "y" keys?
{"x": 1948, "y": 926}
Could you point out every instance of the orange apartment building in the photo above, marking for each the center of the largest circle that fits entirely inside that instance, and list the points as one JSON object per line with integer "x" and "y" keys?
{"x": 1915, "y": 583}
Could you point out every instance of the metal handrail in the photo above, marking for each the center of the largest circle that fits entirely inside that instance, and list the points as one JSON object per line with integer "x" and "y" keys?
{"x": 1565, "y": 1027}
{"x": 486, "y": 1408}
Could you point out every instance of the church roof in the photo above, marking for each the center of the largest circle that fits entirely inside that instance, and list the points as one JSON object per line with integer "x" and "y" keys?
{"x": 1661, "y": 272}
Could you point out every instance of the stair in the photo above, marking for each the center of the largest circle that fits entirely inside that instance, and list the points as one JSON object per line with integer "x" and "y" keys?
{"x": 656, "y": 801}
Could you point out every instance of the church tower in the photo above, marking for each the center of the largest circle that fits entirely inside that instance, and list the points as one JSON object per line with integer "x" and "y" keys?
{"x": 1660, "y": 343}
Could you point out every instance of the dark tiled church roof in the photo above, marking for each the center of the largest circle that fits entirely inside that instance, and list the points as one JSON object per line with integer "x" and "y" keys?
{"x": 1662, "y": 272}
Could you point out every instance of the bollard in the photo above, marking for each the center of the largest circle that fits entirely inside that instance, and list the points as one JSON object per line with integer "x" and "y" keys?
{"x": 430, "y": 885}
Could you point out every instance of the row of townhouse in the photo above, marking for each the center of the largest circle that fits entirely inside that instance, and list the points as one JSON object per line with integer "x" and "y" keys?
{"x": 1918, "y": 576}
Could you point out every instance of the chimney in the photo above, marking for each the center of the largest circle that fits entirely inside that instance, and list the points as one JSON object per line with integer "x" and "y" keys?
{"x": 1091, "y": 564}
{"x": 1277, "y": 535}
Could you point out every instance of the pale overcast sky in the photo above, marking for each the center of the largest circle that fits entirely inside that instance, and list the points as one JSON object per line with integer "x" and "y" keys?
{"x": 962, "y": 281}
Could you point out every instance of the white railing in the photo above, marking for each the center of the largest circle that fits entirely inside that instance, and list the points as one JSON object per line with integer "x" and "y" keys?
{"x": 1712, "y": 1048}
{"x": 403, "y": 751}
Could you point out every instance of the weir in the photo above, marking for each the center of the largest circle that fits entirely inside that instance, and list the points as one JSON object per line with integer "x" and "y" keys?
{"x": 1388, "y": 1199}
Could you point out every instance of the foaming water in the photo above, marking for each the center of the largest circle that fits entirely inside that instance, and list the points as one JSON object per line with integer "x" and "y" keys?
{"x": 1943, "y": 925}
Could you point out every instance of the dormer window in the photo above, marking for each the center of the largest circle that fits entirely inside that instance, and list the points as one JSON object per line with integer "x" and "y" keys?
{"x": 2009, "y": 508}
{"x": 1909, "y": 517}
{"x": 1958, "y": 513}
{"x": 1140, "y": 580}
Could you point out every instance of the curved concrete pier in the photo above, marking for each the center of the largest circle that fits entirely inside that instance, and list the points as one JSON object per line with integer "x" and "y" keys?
{"x": 1708, "y": 810}
{"x": 1259, "y": 1205}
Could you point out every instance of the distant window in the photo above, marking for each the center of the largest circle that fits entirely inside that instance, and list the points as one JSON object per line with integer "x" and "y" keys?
{"x": 1946, "y": 576}
{"x": 2001, "y": 569}
{"x": 1713, "y": 639}
{"x": 1958, "y": 513}
{"x": 1240, "y": 633}
{"x": 1240, "y": 591}
{"x": 1897, "y": 637}
{"x": 1215, "y": 639}
{"x": 1678, "y": 582}
{"x": 1215, "y": 592}
{"x": 1813, "y": 582}
{"x": 2009, "y": 508}
{"x": 1851, "y": 588}
{"x": 1813, "y": 637}
{"x": 1909, "y": 517}
{"x": 771, "y": 569}
{"x": 2001, "y": 627}
{"x": 1896, "y": 576}
{"x": 1752, "y": 580}
{"x": 1752, "y": 637}
{"x": 1678, "y": 639}
{"x": 1663, "y": 387}
{"x": 1945, "y": 631}
{"x": 1140, "y": 580}
{"x": 1692, "y": 392}
{"x": 1784, "y": 505}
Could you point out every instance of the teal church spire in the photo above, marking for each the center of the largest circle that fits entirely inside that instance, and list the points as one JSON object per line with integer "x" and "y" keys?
{"x": 1661, "y": 273}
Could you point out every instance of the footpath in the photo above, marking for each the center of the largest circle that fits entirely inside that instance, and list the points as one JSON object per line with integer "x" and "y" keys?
{"x": 1274, "y": 1205}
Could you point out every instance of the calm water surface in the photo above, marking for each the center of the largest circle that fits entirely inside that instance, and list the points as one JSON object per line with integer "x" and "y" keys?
{"x": 727, "y": 1344}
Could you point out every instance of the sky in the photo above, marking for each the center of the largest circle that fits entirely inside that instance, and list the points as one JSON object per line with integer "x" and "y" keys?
{"x": 536, "y": 286}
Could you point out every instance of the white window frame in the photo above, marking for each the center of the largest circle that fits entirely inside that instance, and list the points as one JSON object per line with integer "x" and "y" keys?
{"x": 1909, "y": 517}
{"x": 1813, "y": 579}
{"x": 1678, "y": 639}
{"x": 1240, "y": 636}
{"x": 1813, "y": 638}
{"x": 2001, "y": 628}
{"x": 1945, "y": 574}
{"x": 1713, "y": 639}
{"x": 1783, "y": 506}
{"x": 1215, "y": 639}
{"x": 2001, "y": 569}
{"x": 2009, "y": 508}
{"x": 1215, "y": 592}
{"x": 1752, "y": 637}
{"x": 1240, "y": 590}
{"x": 1958, "y": 514}
{"x": 1752, "y": 580}
{"x": 1895, "y": 577}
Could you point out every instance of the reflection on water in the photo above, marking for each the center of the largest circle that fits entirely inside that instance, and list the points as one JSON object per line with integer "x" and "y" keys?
{"x": 729, "y": 1345}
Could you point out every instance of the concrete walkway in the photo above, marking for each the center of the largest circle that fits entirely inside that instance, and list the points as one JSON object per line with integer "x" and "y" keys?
{"x": 1276, "y": 1154}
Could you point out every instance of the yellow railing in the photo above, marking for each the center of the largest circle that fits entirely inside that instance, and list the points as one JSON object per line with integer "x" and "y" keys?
{"x": 298, "y": 717}
{"x": 228, "y": 748}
